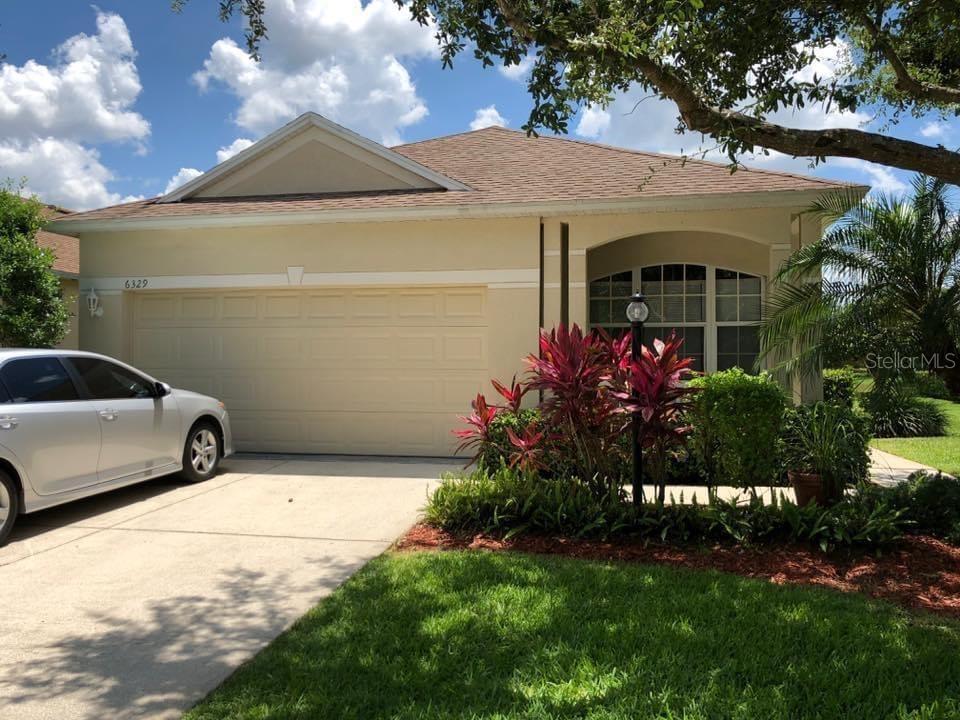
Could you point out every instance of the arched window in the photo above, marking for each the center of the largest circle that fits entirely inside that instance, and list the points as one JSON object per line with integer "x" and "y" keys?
{"x": 714, "y": 310}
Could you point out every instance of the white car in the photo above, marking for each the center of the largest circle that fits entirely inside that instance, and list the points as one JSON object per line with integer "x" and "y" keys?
{"x": 74, "y": 424}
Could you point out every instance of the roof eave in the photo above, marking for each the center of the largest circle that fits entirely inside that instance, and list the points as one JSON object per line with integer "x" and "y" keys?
{"x": 706, "y": 201}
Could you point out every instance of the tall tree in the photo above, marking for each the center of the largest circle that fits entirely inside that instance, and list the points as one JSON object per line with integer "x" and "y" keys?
{"x": 32, "y": 310}
{"x": 728, "y": 65}
{"x": 890, "y": 266}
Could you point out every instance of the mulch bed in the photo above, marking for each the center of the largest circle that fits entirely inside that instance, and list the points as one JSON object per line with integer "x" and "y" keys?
{"x": 919, "y": 573}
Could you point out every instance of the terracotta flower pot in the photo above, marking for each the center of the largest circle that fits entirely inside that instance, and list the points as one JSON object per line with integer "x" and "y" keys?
{"x": 807, "y": 487}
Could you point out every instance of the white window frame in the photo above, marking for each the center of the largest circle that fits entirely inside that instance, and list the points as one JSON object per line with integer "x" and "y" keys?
{"x": 710, "y": 324}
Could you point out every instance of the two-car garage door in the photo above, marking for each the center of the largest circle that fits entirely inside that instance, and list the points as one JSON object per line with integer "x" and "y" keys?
{"x": 341, "y": 370}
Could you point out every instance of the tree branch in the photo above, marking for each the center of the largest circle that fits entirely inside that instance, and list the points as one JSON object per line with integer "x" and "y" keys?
{"x": 699, "y": 116}
{"x": 831, "y": 142}
{"x": 905, "y": 81}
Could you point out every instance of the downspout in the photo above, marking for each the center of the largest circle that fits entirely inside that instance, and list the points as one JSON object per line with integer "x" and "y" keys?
{"x": 565, "y": 274}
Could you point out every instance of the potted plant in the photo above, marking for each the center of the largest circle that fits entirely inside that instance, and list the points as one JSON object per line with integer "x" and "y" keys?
{"x": 825, "y": 450}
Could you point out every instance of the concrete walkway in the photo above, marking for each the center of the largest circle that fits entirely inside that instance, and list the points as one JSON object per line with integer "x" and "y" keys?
{"x": 889, "y": 469}
{"x": 885, "y": 469}
{"x": 137, "y": 603}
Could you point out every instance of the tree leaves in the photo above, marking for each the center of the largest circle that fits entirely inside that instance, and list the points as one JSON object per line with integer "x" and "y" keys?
{"x": 32, "y": 311}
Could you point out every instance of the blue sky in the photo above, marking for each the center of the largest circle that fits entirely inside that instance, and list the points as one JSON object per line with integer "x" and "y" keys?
{"x": 106, "y": 103}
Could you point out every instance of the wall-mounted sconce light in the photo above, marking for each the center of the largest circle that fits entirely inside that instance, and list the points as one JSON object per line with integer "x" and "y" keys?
{"x": 93, "y": 303}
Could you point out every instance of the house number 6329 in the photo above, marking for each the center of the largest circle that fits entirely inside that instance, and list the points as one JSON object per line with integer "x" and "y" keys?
{"x": 137, "y": 284}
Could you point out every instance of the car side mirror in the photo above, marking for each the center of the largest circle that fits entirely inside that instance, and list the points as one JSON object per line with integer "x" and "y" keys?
{"x": 163, "y": 389}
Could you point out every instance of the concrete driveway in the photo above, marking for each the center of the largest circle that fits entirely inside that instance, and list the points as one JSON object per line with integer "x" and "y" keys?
{"x": 137, "y": 603}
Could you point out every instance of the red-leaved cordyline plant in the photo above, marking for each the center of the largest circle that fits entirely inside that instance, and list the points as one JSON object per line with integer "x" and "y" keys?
{"x": 477, "y": 436}
{"x": 573, "y": 370}
{"x": 615, "y": 352}
{"x": 660, "y": 395}
{"x": 513, "y": 394}
{"x": 528, "y": 448}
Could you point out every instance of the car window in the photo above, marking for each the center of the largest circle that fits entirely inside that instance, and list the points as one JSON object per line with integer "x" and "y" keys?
{"x": 108, "y": 381}
{"x": 41, "y": 379}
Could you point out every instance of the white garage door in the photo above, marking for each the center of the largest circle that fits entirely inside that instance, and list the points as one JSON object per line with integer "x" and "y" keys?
{"x": 346, "y": 370}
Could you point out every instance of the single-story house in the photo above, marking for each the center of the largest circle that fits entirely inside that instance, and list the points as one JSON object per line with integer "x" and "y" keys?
{"x": 345, "y": 297}
{"x": 66, "y": 264}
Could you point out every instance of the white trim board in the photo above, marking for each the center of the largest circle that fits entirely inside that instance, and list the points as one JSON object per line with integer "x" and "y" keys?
{"x": 499, "y": 278}
{"x": 557, "y": 286}
{"x": 557, "y": 253}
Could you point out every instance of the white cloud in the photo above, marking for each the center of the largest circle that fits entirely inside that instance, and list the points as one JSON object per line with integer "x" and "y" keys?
{"x": 228, "y": 151}
{"x": 520, "y": 71}
{"x": 50, "y": 114}
{"x": 934, "y": 130}
{"x": 594, "y": 121}
{"x": 183, "y": 176}
{"x": 881, "y": 179}
{"x": 86, "y": 95}
{"x": 61, "y": 172}
{"x": 488, "y": 117}
{"x": 341, "y": 58}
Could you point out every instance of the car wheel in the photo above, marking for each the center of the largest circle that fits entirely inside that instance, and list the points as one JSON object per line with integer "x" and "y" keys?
{"x": 202, "y": 453}
{"x": 9, "y": 505}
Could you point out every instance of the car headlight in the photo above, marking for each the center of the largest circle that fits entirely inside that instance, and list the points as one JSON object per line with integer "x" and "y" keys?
{"x": 221, "y": 405}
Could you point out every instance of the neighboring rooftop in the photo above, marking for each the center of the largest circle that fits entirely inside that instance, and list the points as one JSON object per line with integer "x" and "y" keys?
{"x": 66, "y": 249}
{"x": 499, "y": 167}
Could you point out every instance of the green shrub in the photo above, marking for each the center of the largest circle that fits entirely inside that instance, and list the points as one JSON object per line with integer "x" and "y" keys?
{"x": 895, "y": 411}
{"x": 839, "y": 385}
{"x": 736, "y": 426}
{"x": 497, "y": 451}
{"x": 930, "y": 385}
{"x": 559, "y": 458}
{"x": 930, "y": 503}
{"x": 829, "y": 440}
{"x": 507, "y": 503}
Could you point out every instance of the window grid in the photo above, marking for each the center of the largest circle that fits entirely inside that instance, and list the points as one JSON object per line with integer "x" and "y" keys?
{"x": 738, "y": 307}
{"x": 691, "y": 292}
{"x": 677, "y": 296}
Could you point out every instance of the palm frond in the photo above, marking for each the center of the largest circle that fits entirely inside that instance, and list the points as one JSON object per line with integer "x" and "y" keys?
{"x": 891, "y": 259}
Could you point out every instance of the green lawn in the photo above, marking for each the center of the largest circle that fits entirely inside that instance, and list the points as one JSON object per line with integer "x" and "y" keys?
{"x": 500, "y": 635}
{"x": 942, "y": 453}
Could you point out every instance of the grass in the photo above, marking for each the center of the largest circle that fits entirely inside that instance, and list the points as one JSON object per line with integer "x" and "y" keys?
{"x": 942, "y": 453}
{"x": 506, "y": 636}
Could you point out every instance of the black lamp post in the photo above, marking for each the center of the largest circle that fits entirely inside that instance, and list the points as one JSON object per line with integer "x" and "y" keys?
{"x": 637, "y": 313}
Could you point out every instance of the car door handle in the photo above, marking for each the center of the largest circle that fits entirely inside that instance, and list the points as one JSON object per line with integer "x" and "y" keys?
{"x": 109, "y": 415}
{"x": 8, "y": 423}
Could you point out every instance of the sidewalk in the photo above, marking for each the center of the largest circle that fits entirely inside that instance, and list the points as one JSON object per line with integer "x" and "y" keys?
{"x": 885, "y": 469}
{"x": 888, "y": 469}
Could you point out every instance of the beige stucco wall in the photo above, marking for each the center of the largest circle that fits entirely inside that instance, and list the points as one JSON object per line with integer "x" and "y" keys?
{"x": 753, "y": 240}
{"x": 70, "y": 289}
{"x": 335, "y": 247}
{"x": 683, "y": 246}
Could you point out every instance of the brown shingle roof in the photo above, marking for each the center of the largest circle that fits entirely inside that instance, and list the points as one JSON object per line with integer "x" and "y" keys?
{"x": 66, "y": 249}
{"x": 506, "y": 166}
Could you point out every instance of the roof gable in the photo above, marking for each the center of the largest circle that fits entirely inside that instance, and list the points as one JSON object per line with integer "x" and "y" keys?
{"x": 312, "y": 155}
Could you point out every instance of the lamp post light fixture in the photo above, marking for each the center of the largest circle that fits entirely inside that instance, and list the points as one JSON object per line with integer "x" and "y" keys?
{"x": 637, "y": 313}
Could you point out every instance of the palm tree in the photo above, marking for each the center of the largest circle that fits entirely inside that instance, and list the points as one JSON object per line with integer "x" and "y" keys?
{"x": 886, "y": 272}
